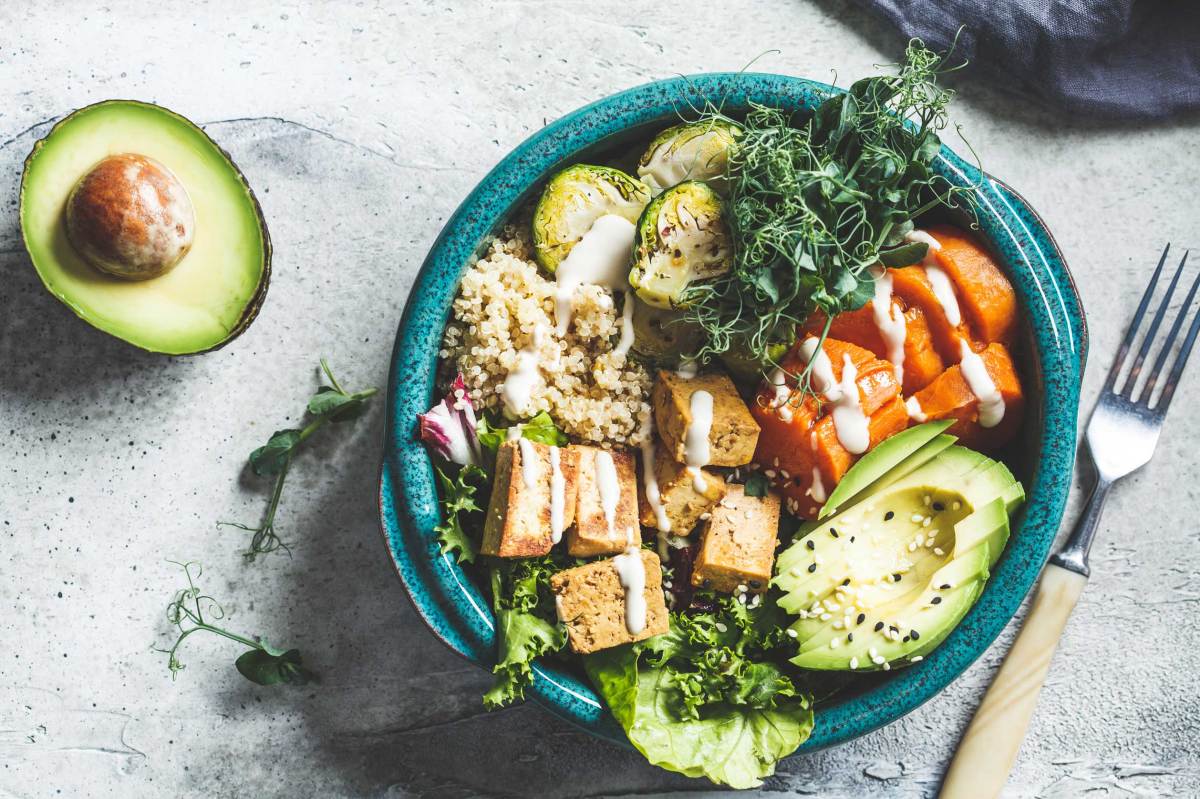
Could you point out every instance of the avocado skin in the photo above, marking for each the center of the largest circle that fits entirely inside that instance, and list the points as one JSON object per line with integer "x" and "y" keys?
{"x": 260, "y": 294}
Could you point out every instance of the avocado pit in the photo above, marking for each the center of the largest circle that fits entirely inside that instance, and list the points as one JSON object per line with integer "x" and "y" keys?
{"x": 130, "y": 217}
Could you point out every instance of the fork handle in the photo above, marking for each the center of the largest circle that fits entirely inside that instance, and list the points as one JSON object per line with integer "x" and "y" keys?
{"x": 989, "y": 748}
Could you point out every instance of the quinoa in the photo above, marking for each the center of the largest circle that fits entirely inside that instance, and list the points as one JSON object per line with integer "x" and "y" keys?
{"x": 592, "y": 393}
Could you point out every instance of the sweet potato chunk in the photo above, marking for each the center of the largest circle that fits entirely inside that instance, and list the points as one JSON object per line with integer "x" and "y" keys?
{"x": 911, "y": 285}
{"x": 950, "y": 397}
{"x": 921, "y": 360}
{"x": 988, "y": 300}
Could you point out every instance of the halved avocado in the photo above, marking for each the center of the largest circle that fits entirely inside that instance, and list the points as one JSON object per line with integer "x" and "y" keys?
{"x": 206, "y": 299}
{"x": 890, "y": 576}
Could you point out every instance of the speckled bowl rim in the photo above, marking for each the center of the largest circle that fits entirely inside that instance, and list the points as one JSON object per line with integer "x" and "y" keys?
{"x": 458, "y": 613}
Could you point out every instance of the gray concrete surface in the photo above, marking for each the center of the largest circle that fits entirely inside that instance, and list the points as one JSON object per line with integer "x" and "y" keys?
{"x": 362, "y": 125}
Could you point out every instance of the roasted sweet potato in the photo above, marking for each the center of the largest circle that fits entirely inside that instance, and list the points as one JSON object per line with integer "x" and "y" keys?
{"x": 987, "y": 299}
{"x": 921, "y": 360}
{"x": 950, "y": 397}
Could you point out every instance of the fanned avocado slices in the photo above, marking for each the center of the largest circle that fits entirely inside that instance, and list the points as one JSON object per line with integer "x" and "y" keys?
{"x": 138, "y": 222}
{"x": 885, "y": 580}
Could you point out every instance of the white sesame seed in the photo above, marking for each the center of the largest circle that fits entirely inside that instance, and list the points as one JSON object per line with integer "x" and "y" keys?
{"x": 721, "y": 627}
{"x": 938, "y": 551}
{"x": 839, "y": 625}
{"x": 835, "y": 643}
{"x": 887, "y": 666}
{"x": 741, "y": 589}
{"x": 915, "y": 659}
{"x": 742, "y": 598}
{"x": 926, "y": 522}
{"x": 873, "y": 652}
{"x": 853, "y": 663}
{"x": 956, "y": 506}
{"x": 926, "y": 499}
{"x": 916, "y": 517}
{"x": 792, "y": 633}
{"x": 912, "y": 546}
{"x": 878, "y": 660}
{"x": 794, "y": 572}
{"x": 920, "y": 540}
{"x": 826, "y": 616}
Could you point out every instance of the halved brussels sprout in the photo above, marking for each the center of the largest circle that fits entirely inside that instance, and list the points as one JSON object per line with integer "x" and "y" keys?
{"x": 692, "y": 151}
{"x": 662, "y": 334}
{"x": 681, "y": 237}
{"x": 574, "y": 199}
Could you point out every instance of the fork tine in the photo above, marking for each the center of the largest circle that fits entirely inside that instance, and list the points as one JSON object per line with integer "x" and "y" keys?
{"x": 1148, "y": 391}
{"x": 1137, "y": 320}
{"x": 1177, "y": 370}
{"x": 1136, "y": 370}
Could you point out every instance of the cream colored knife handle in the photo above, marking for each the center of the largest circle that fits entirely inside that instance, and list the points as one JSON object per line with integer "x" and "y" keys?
{"x": 989, "y": 748}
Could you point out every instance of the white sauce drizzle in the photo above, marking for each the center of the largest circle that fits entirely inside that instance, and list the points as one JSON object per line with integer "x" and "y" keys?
{"x": 517, "y": 391}
{"x": 851, "y": 424}
{"x": 817, "y": 490}
{"x": 696, "y": 452}
{"x": 688, "y": 368}
{"x": 914, "y": 410}
{"x": 558, "y": 608}
{"x": 938, "y": 280}
{"x": 626, "y": 340}
{"x": 514, "y": 432}
{"x": 528, "y": 462}
{"x": 631, "y": 571}
{"x": 890, "y": 321}
{"x": 783, "y": 395}
{"x": 991, "y": 402}
{"x": 650, "y": 486}
{"x": 558, "y": 493}
{"x": 610, "y": 487}
{"x": 601, "y": 258}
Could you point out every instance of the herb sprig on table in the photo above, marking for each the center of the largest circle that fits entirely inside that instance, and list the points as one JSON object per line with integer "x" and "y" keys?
{"x": 192, "y": 612}
{"x": 331, "y": 404}
{"x": 812, "y": 208}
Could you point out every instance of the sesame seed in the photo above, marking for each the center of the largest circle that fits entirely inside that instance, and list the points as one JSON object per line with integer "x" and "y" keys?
{"x": 887, "y": 517}
{"x": 826, "y": 616}
{"x": 878, "y": 626}
{"x": 939, "y": 507}
{"x": 927, "y": 499}
{"x": 912, "y": 546}
{"x": 919, "y": 540}
{"x": 771, "y": 473}
{"x": 939, "y": 551}
{"x": 838, "y": 625}
{"x": 846, "y": 581}
{"x": 794, "y": 572}
{"x": 853, "y": 663}
{"x": 835, "y": 643}
{"x": 915, "y": 635}
{"x": 873, "y": 652}
{"x": 878, "y": 660}
{"x": 915, "y": 659}
{"x": 742, "y": 598}
{"x": 849, "y": 638}
{"x": 833, "y": 532}
{"x": 956, "y": 506}
{"x": 861, "y": 618}
{"x": 887, "y": 666}
{"x": 809, "y": 543}
{"x": 937, "y": 600}
{"x": 721, "y": 627}
{"x": 916, "y": 517}
{"x": 812, "y": 567}
{"x": 792, "y": 633}
{"x": 926, "y": 522}
{"x": 741, "y": 589}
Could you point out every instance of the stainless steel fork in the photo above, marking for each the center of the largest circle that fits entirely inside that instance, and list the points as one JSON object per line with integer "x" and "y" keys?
{"x": 1121, "y": 436}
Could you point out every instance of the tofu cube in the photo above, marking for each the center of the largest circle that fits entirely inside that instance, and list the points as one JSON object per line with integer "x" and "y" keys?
{"x": 591, "y": 603}
{"x": 733, "y": 434}
{"x": 604, "y": 478}
{"x": 518, "y": 515}
{"x": 738, "y": 547}
{"x": 682, "y": 504}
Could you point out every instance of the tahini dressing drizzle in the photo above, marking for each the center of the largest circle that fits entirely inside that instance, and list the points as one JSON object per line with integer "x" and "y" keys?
{"x": 610, "y": 487}
{"x": 938, "y": 280}
{"x": 991, "y": 402}
{"x": 650, "y": 486}
{"x": 558, "y": 490}
{"x": 849, "y": 421}
{"x": 914, "y": 410}
{"x": 783, "y": 394}
{"x": 517, "y": 390}
{"x": 890, "y": 321}
{"x": 696, "y": 452}
{"x": 601, "y": 258}
{"x": 631, "y": 571}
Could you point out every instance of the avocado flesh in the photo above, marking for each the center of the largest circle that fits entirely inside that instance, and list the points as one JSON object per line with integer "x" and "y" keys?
{"x": 854, "y": 570}
{"x": 882, "y": 459}
{"x": 215, "y": 290}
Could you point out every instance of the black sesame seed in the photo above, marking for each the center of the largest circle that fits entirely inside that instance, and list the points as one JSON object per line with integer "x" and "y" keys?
{"x": 846, "y": 581}
{"x": 915, "y": 635}
{"x": 905, "y": 639}
{"x": 887, "y": 517}
{"x": 944, "y": 587}
{"x": 851, "y": 539}
{"x": 893, "y": 628}
{"x": 896, "y": 577}
{"x": 937, "y": 600}
{"x": 833, "y": 532}
{"x": 812, "y": 567}
{"x": 849, "y": 638}
{"x": 809, "y": 543}
{"x": 861, "y": 618}
{"x": 755, "y": 584}
{"x": 878, "y": 626}
{"x": 939, "y": 507}
{"x": 706, "y": 584}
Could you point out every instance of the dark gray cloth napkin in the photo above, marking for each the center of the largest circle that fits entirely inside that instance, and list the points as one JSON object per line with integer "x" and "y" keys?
{"x": 1112, "y": 58}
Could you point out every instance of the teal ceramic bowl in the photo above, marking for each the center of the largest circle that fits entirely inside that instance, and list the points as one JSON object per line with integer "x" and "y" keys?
{"x": 1053, "y": 353}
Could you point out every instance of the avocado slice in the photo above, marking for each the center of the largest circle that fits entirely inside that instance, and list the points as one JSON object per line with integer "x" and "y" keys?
{"x": 882, "y": 459}
{"x": 214, "y": 290}
{"x": 911, "y": 552}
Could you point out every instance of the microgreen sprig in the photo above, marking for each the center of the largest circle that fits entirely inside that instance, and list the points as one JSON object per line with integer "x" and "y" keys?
{"x": 331, "y": 404}
{"x": 190, "y": 612}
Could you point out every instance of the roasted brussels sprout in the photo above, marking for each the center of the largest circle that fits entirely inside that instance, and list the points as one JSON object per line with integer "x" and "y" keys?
{"x": 681, "y": 237}
{"x": 574, "y": 199}
{"x": 662, "y": 334}
{"x": 692, "y": 151}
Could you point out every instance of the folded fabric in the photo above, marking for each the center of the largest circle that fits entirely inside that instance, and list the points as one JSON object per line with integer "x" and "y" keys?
{"x": 1114, "y": 58}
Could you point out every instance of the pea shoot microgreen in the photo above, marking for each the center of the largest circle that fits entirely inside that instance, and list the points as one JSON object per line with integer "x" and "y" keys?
{"x": 190, "y": 612}
{"x": 331, "y": 404}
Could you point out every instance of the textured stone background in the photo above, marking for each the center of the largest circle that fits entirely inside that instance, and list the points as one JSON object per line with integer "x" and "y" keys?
{"x": 362, "y": 125}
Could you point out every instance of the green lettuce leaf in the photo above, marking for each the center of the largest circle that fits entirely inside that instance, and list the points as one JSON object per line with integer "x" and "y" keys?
{"x": 458, "y": 499}
{"x": 540, "y": 428}
{"x": 729, "y": 745}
